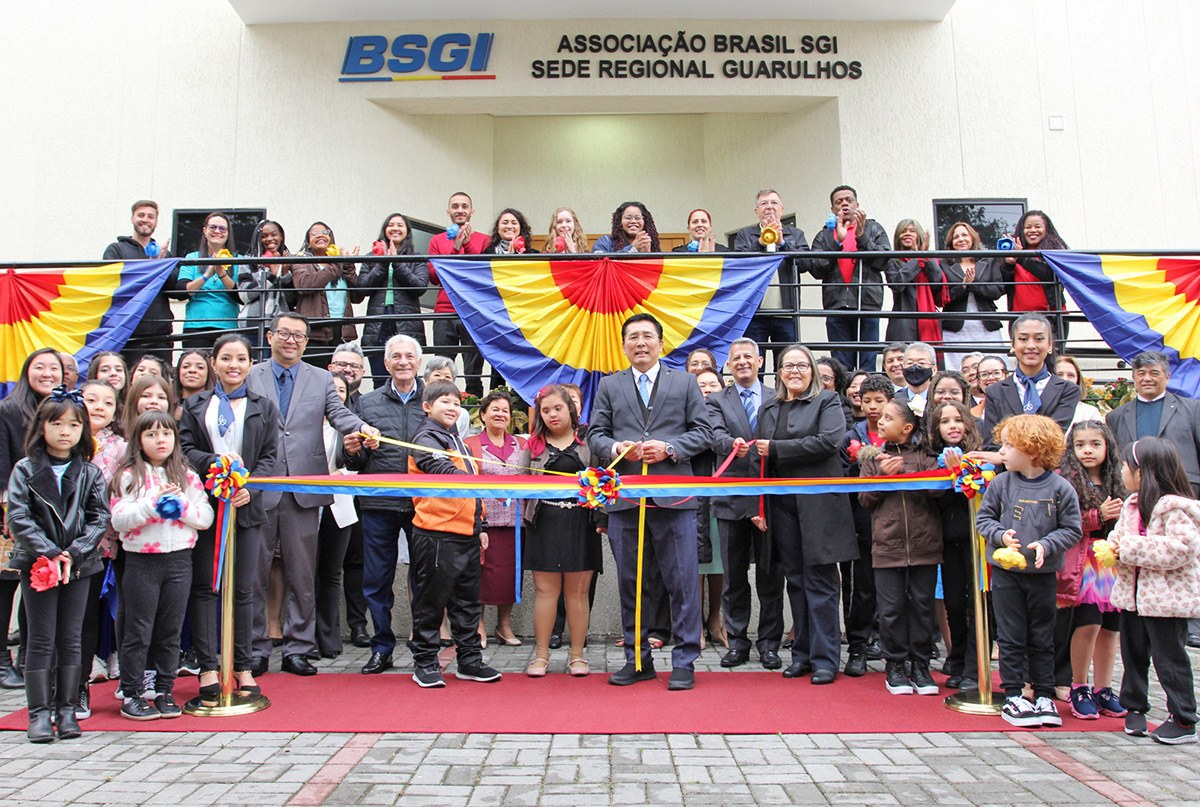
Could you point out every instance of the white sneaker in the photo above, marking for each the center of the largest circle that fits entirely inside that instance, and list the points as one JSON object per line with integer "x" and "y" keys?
{"x": 99, "y": 671}
{"x": 1018, "y": 711}
{"x": 114, "y": 666}
{"x": 1047, "y": 712}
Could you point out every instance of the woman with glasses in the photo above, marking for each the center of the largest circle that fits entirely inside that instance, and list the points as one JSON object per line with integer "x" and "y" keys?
{"x": 212, "y": 300}
{"x": 800, "y": 433}
{"x": 633, "y": 230}
{"x": 323, "y": 291}
{"x": 991, "y": 369}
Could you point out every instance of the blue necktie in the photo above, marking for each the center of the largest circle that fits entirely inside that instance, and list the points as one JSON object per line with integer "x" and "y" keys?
{"x": 644, "y": 389}
{"x": 283, "y": 386}
{"x": 751, "y": 409}
{"x": 1033, "y": 399}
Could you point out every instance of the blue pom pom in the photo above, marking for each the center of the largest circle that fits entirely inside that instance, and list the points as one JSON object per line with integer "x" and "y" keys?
{"x": 693, "y": 246}
{"x": 152, "y": 249}
{"x": 452, "y": 232}
{"x": 169, "y": 508}
{"x": 831, "y": 222}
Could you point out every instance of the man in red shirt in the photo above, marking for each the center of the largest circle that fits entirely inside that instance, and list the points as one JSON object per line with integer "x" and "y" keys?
{"x": 451, "y": 333}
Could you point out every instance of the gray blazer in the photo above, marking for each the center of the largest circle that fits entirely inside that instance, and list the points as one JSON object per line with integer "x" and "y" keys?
{"x": 301, "y": 437}
{"x": 677, "y": 416}
{"x": 729, "y": 421}
{"x": 1180, "y": 423}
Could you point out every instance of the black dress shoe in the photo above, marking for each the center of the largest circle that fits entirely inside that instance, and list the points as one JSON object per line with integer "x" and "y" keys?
{"x": 823, "y": 676}
{"x": 797, "y": 669}
{"x": 312, "y": 655}
{"x": 360, "y": 638}
{"x": 874, "y": 651}
{"x": 770, "y": 659}
{"x": 954, "y": 682}
{"x": 555, "y": 641}
{"x": 330, "y": 654}
{"x": 259, "y": 665}
{"x": 377, "y": 663}
{"x": 681, "y": 678}
{"x": 856, "y": 665}
{"x": 298, "y": 665}
{"x": 736, "y": 658}
{"x": 629, "y": 675}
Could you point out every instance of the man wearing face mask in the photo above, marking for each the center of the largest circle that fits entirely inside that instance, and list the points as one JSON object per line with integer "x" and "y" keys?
{"x": 920, "y": 363}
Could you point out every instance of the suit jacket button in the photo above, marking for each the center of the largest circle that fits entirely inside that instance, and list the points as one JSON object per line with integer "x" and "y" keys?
{"x": 287, "y": 434}
{"x": 645, "y": 434}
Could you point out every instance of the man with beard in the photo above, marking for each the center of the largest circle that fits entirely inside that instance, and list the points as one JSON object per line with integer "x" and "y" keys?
{"x": 449, "y": 334}
{"x": 153, "y": 334}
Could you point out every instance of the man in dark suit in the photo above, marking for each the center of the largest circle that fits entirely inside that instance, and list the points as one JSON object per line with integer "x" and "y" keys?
{"x": 305, "y": 396}
{"x": 656, "y": 414}
{"x": 771, "y": 322}
{"x": 1033, "y": 389}
{"x": 1158, "y": 413}
{"x": 733, "y": 412}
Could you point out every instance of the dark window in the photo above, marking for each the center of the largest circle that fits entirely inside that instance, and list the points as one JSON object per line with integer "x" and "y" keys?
{"x": 187, "y": 226}
{"x": 992, "y": 218}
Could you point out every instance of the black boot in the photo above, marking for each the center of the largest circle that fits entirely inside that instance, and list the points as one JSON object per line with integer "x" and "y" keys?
{"x": 66, "y": 694}
{"x": 38, "y": 684}
{"x": 9, "y": 677}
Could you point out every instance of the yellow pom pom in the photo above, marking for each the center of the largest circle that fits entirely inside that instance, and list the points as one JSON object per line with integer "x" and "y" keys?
{"x": 224, "y": 254}
{"x": 1103, "y": 550}
{"x": 332, "y": 250}
{"x": 1009, "y": 558}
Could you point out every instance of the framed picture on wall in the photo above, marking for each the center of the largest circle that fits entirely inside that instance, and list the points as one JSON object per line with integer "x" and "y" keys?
{"x": 991, "y": 218}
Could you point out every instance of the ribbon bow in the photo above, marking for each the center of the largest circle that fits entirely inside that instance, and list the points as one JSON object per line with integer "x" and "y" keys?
{"x": 598, "y": 487}
{"x": 970, "y": 476}
{"x": 226, "y": 477}
{"x": 61, "y": 393}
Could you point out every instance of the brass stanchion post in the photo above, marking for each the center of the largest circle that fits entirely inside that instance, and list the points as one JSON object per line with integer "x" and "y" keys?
{"x": 983, "y": 701}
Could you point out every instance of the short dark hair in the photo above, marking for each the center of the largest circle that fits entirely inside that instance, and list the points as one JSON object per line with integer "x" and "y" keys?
{"x": 438, "y": 389}
{"x": 1151, "y": 358}
{"x": 492, "y": 397}
{"x": 229, "y": 339}
{"x": 143, "y": 203}
{"x": 1031, "y": 316}
{"x": 878, "y": 382}
{"x": 642, "y": 317}
{"x": 896, "y": 347}
{"x": 288, "y": 315}
{"x": 834, "y": 192}
{"x": 461, "y": 193}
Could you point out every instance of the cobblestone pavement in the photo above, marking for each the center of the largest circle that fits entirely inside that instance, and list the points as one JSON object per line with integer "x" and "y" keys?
{"x": 233, "y": 768}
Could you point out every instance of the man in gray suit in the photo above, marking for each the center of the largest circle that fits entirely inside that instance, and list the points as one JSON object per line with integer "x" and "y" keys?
{"x": 733, "y": 412}
{"x": 1158, "y": 413}
{"x": 658, "y": 415}
{"x": 305, "y": 395}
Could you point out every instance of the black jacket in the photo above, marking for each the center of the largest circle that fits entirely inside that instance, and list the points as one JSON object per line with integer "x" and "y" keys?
{"x": 746, "y": 240}
{"x": 260, "y": 445}
{"x": 865, "y": 291}
{"x": 383, "y": 409}
{"x": 1059, "y": 400}
{"x": 729, "y": 421}
{"x": 45, "y": 522}
{"x": 1040, "y": 270}
{"x": 157, "y": 321}
{"x": 986, "y": 290}
{"x": 409, "y": 279}
{"x": 902, "y": 277}
{"x": 13, "y": 426}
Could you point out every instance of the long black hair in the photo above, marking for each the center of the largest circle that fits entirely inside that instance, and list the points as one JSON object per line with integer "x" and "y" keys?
{"x": 1052, "y": 239}
{"x": 50, "y": 409}
{"x": 620, "y": 240}
{"x": 522, "y": 224}
{"x": 1162, "y": 473}
{"x": 256, "y": 240}
{"x": 1092, "y": 496}
{"x": 24, "y": 400}
{"x": 406, "y": 244}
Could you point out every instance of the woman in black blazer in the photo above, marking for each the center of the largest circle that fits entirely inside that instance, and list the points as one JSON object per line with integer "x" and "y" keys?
{"x": 972, "y": 286}
{"x": 700, "y": 229}
{"x": 800, "y": 432}
{"x": 229, "y": 419}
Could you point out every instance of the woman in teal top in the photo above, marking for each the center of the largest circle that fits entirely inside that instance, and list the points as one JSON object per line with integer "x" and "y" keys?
{"x": 212, "y": 301}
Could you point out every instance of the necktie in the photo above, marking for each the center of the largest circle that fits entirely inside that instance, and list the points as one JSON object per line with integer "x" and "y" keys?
{"x": 644, "y": 389}
{"x": 225, "y": 416}
{"x": 751, "y": 409}
{"x": 283, "y": 386}
{"x": 1033, "y": 400}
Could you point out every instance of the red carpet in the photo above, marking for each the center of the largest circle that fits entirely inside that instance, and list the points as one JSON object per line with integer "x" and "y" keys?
{"x": 721, "y": 703}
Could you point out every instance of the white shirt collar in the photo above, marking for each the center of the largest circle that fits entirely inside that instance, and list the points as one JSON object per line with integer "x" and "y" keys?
{"x": 1152, "y": 400}
{"x": 652, "y": 372}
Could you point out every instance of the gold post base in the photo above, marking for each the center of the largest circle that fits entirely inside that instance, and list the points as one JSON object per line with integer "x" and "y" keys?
{"x": 227, "y": 705}
{"x": 976, "y": 702}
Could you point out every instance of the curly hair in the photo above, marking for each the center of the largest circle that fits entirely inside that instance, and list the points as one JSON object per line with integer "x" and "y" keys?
{"x": 1052, "y": 239}
{"x": 522, "y": 225}
{"x": 620, "y": 240}
{"x": 878, "y": 382}
{"x": 1092, "y": 496}
{"x": 841, "y": 377}
{"x": 1036, "y": 435}
{"x": 972, "y": 440}
{"x": 577, "y": 235}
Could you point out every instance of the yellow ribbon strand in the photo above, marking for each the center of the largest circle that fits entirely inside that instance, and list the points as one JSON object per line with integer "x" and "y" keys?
{"x": 637, "y": 608}
{"x": 465, "y": 458}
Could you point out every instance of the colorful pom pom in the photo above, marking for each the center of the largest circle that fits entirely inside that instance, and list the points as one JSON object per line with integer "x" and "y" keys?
{"x": 452, "y": 231}
{"x": 1103, "y": 550}
{"x": 152, "y": 249}
{"x": 598, "y": 487}
{"x": 224, "y": 254}
{"x": 169, "y": 507}
{"x": 332, "y": 250}
{"x": 378, "y": 248}
{"x": 560, "y": 244}
{"x": 518, "y": 245}
{"x": 226, "y": 477}
{"x": 1009, "y": 558}
{"x": 693, "y": 246}
{"x": 831, "y": 222}
{"x": 970, "y": 476}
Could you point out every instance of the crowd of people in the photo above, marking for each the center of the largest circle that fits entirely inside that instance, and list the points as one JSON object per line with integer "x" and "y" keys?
{"x": 936, "y": 301}
{"x": 105, "y": 504}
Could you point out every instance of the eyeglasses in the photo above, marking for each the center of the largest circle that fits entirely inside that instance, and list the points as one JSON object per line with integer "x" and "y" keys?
{"x": 217, "y": 228}
{"x": 997, "y": 374}
{"x": 795, "y": 367}
{"x": 631, "y": 218}
{"x": 319, "y": 233}
{"x": 826, "y": 379}
{"x": 290, "y": 336}
{"x": 347, "y": 365}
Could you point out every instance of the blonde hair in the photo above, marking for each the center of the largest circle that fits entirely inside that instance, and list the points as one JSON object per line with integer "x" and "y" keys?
{"x": 1036, "y": 435}
{"x": 578, "y": 235}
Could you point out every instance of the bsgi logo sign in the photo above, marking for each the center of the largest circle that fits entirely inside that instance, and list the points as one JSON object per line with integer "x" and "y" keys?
{"x": 445, "y": 57}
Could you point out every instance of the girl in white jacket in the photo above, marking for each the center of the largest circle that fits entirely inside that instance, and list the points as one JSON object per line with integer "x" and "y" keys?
{"x": 158, "y": 504}
{"x": 1157, "y": 542}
